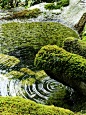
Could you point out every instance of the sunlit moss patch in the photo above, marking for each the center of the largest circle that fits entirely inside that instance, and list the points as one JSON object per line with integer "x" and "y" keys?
{"x": 33, "y": 34}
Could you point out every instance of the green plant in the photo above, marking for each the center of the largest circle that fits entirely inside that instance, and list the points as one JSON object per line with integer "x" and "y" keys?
{"x": 61, "y": 3}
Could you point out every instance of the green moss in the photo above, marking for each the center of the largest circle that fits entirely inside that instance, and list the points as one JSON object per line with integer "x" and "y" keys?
{"x": 33, "y": 34}
{"x": 51, "y": 57}
{"x": 75, "y": 45}
{"x": 15, "y": 74}
{"x": 20, "y": 106}
{"x": 61, "y": 3}
{"x": 28, "y": 71}
{"x": 28, "y": 81}
{"x": 8, "y": 61}
{"x": 25, "y": 14}
{"x": 40, "y": 75}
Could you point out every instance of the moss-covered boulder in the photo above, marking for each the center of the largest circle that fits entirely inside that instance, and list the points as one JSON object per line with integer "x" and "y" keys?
{"x": 75, "y": 46}
{"x": 7, "y": 61}
{"x": 20, "y": 106}
{"x": 23, "y": 35}
{"x": 68, "y": 68}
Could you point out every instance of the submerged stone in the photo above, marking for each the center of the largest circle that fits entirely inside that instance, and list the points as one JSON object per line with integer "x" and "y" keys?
{"x": 8, "y": 61}
{"x": 15, "y": 75}
{"x": 28, "y": 81}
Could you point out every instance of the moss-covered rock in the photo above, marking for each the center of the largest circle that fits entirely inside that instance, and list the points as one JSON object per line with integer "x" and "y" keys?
{"x": 15, "y": 75}
{"x": 68, "y": 68}
{"x": 75, "y": 46}
{"x": 20, "y": 106}
{"x": 27, "y": 71}
{"x": 28, "y": 81}
{"x": 37, "y": 34}
{"x": 24, "y": 14}
{"x": 40, "y": 75}
{"x": 7, "y": 61}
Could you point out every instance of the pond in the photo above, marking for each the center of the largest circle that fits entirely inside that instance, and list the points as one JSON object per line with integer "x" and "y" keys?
{"x": 15, "y": 42}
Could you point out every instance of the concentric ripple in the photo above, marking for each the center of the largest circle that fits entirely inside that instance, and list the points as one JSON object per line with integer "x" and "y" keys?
{"x": 39, "y": 91}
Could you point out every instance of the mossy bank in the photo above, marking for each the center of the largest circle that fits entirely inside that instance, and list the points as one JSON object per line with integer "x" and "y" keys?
{"x": 20, "y": 106}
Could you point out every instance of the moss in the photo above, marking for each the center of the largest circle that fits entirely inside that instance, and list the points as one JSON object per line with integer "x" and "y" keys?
{"x": 15, "y": 75}
{"x": 24, "y": 14}
{"x": 33, "y": 34}
{"x": 61, "y": 3}
{"x": 20, "y": 106}
{"x": 28, "y": 81}
{"x": 51, "y": 57}
{"x": 75, "y": 46}
{"x": 40, "y": 75}
{"x": 28, "y": 71}
{"x": 8, "y": 61}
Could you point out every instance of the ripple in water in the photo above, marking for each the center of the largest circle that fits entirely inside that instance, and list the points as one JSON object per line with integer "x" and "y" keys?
{"x": 38, "y": 91}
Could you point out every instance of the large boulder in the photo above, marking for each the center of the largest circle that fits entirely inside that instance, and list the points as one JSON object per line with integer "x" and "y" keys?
{"x": 65, "y": 67}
